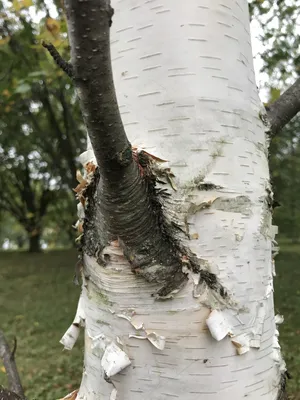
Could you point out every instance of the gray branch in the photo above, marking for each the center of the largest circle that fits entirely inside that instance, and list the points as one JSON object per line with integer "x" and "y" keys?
{"x": 8, "y": 358}
{"x": 284, "y": 109}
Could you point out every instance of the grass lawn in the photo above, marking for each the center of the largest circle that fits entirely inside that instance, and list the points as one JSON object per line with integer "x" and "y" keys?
{"x": 37, "y": 304}
{"x": 38, "y": 301}
{"x": 287, "y": 302}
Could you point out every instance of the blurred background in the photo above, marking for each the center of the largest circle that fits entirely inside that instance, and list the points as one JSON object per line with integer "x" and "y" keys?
{"x": 41, "y": 136}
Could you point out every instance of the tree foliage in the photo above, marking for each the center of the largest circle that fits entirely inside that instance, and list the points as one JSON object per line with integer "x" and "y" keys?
{"x": 279, "y": 37}
{"x": 41, "y": 133}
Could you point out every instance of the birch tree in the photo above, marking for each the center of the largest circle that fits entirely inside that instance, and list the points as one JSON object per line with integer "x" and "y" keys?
{"x": 177, "y": 251}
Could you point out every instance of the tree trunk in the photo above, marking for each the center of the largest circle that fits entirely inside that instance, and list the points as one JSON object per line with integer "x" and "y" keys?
{"x": 34, "y": 243}
{"x": 21, "y": 240}
{"x": 187, "y": 94}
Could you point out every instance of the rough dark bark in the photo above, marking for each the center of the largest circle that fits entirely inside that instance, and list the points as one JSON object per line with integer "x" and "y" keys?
{"x": 131, "y": 216}
{"x": 282, "y": 394}
{"x": 14, "y": 381}
{"x": 283, "y": 110}
{"x": 65, "y": 66}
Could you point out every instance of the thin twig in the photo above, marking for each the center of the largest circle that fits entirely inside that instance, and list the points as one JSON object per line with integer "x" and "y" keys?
{"x": 14, "y": 348}
{"x": 14, "y": 381}
{"x": 64, "y": 65}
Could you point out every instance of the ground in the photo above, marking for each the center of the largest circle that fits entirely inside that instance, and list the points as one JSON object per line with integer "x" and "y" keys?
{"x": 38, "y": 301}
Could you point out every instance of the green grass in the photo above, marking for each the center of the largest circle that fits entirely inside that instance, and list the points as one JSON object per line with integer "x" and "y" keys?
{"x": 38, "y": 301}
{"x": 287, "y": 302}
{"x": 37, "y": 304}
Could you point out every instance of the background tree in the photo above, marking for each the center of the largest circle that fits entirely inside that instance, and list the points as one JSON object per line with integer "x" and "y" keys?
{"x": 279, "y": 38}
{"x": 34, "y": 112}
{"x": 27, "y": 194}
{"x": 12, "y": 234}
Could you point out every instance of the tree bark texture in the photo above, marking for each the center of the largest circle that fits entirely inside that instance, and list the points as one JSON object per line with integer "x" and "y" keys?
{"x": 187, "y": 94}
{"x": 285, "y": 108}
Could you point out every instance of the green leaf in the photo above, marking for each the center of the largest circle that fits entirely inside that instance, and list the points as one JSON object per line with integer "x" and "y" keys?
{"x": 19, "y": 4}
{"x": 23, "y": 88}
{"x": 274, "y": 94}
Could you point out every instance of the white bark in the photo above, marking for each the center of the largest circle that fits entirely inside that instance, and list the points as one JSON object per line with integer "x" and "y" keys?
{"x": 185, "y": 83}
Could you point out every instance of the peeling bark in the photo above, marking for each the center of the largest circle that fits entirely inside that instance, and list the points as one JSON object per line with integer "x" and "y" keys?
{"x": 202, "y": 239}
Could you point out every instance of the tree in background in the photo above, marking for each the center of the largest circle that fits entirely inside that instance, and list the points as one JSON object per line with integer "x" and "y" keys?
{"x": 26, "y": 193}
{"x": 12, "y": 234}
{"x": 279, "y": 37}
{"x": 40, "y": 133}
